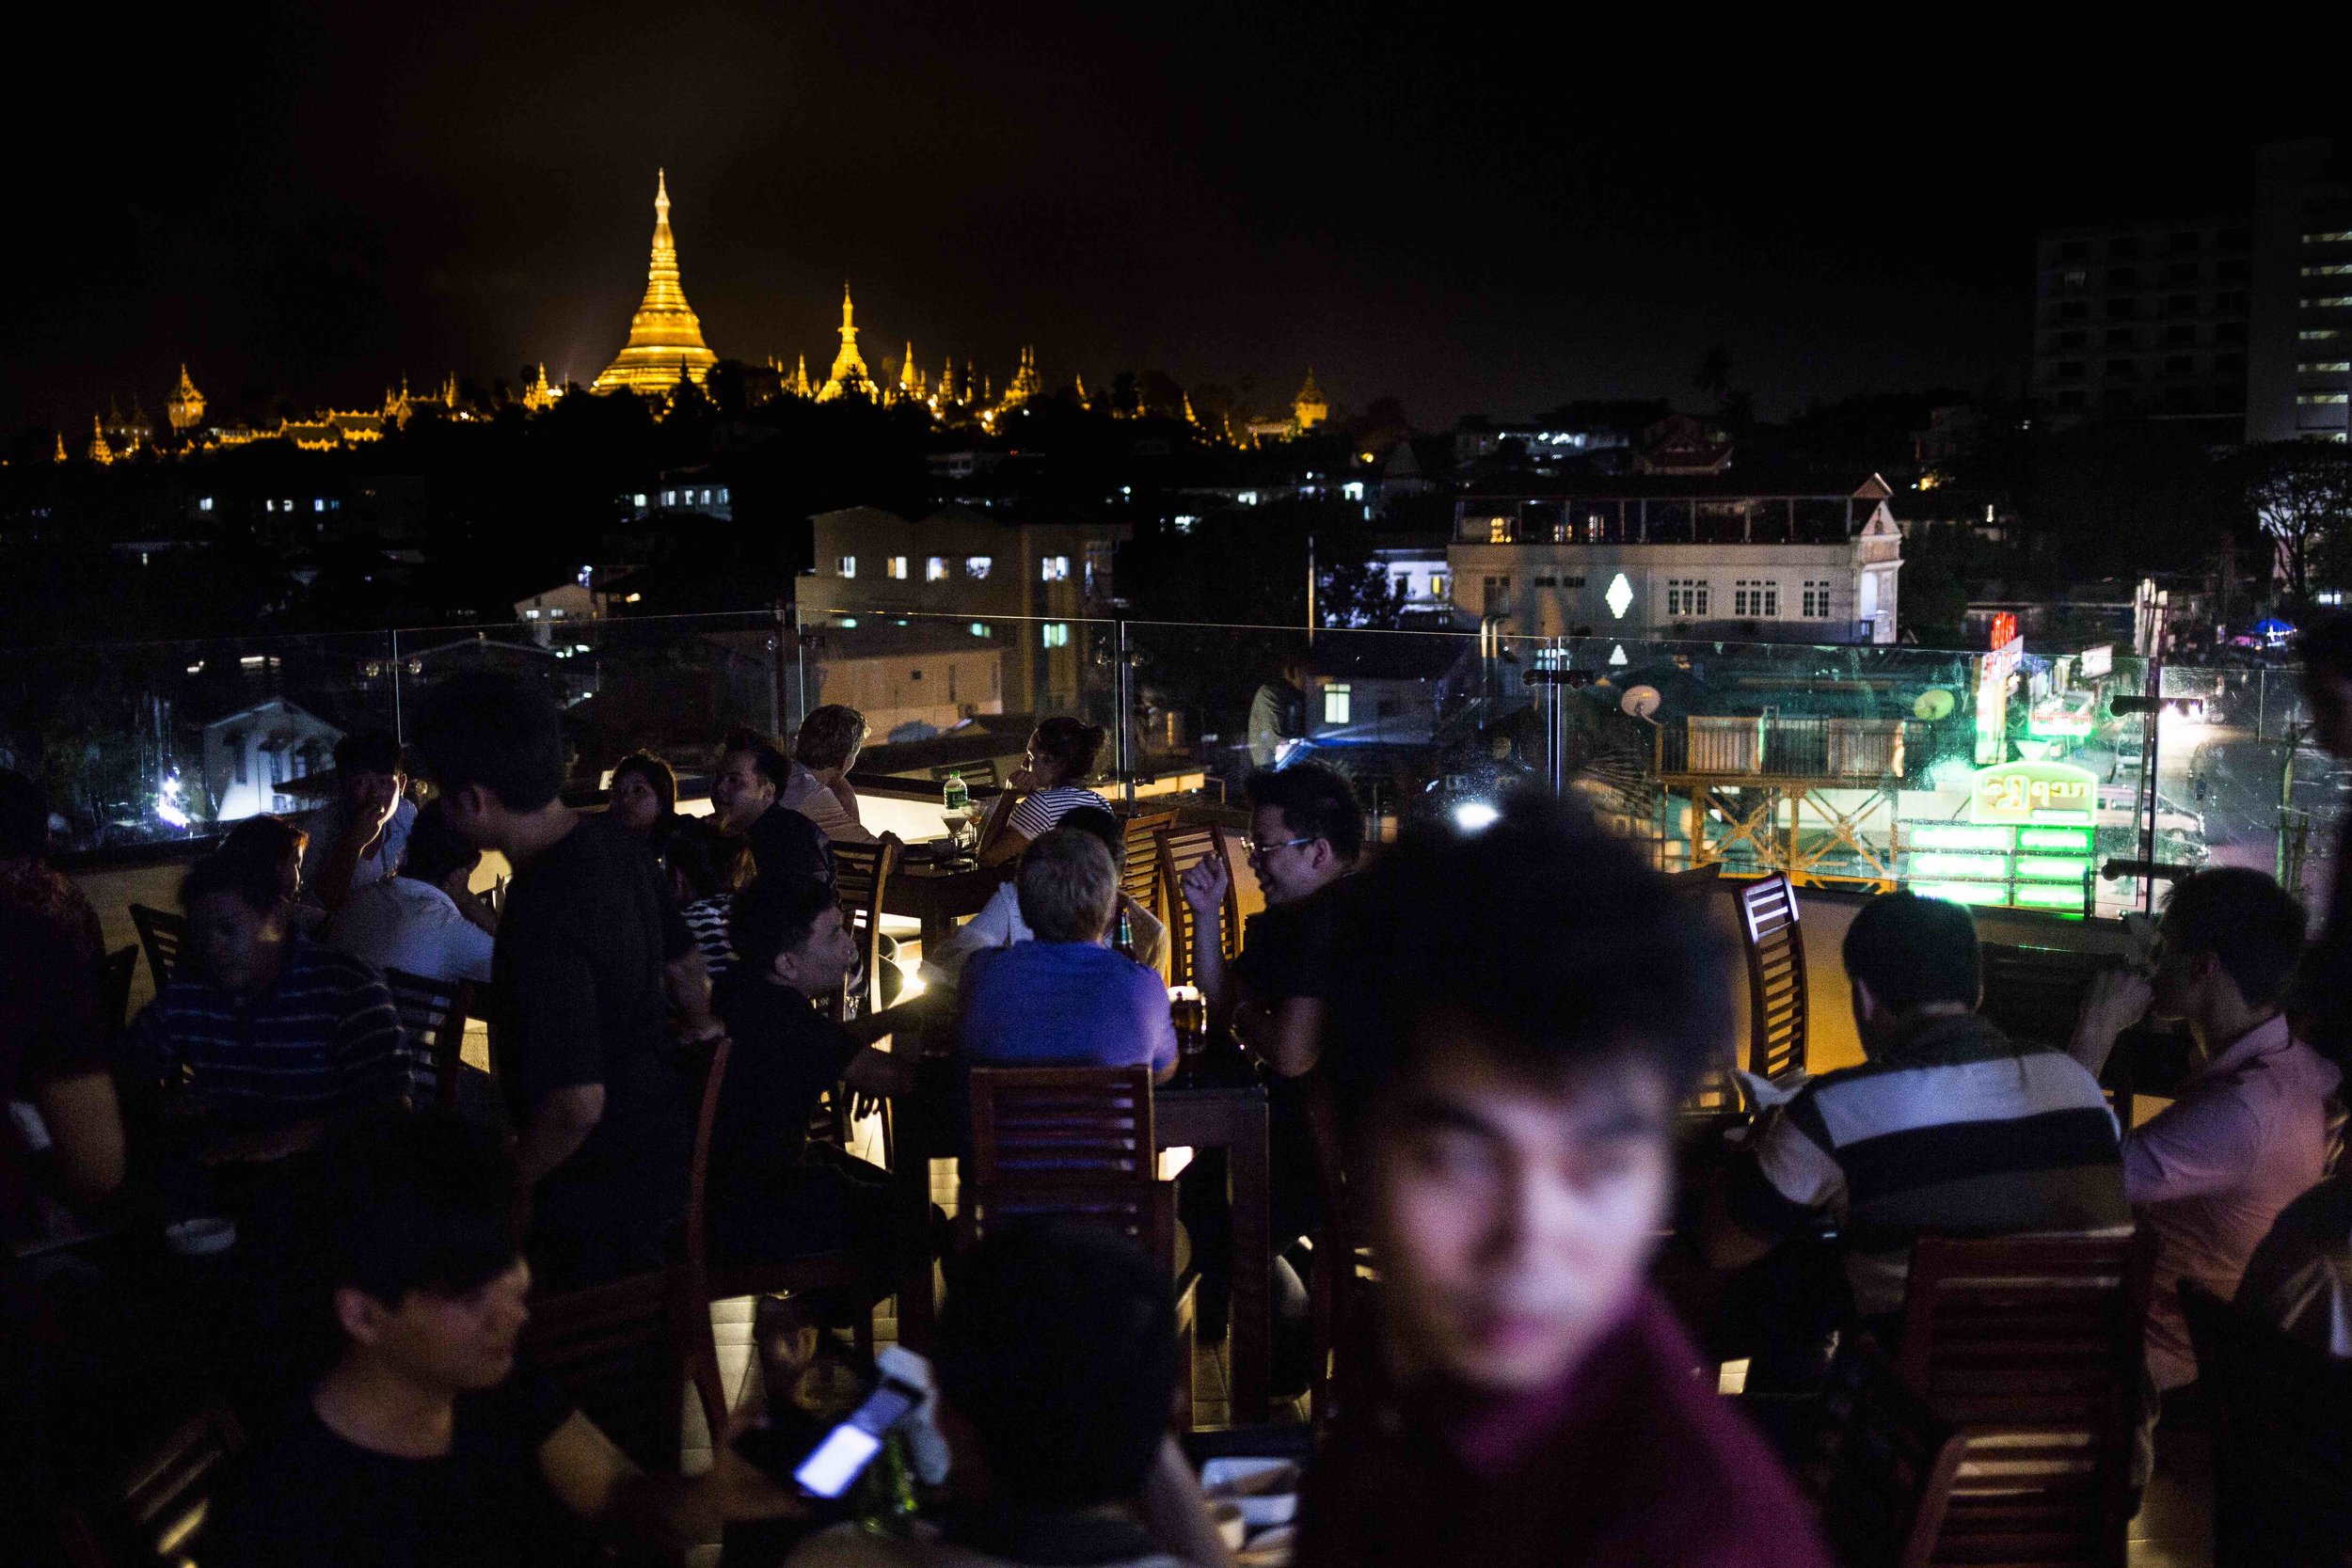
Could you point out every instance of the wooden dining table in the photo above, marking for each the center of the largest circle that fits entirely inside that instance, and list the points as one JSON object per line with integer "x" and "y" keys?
{"x": 939, "y": 894}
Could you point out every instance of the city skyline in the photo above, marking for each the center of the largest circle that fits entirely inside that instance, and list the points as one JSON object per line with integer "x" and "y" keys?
{"x": 1412, "y": 213}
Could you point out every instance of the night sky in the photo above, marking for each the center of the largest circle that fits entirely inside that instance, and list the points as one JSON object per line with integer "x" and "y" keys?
{"x": 1458, "y": 205}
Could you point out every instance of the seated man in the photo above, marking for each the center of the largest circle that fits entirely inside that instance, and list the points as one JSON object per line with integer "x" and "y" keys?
{"x": 774, "y": 1195}
{"x": 2246, "y": 1131}
{"x": 1057, "y": 1371}
{"x": 425, "y": 921}
{"x": 424, "y": 1442}
{"x": 273, "y": 1035}
{"x": 747, "y": 799}
{"x": 359, "y": 838}
{"x": 999, "y": 923}
{"x": 1507, "y": 1094}
{"x": 2300, "y": 1276}
{"x": 822, "y": 754}
{"x": 1948, "y": 1126}
{"x": 1065, "y": 998}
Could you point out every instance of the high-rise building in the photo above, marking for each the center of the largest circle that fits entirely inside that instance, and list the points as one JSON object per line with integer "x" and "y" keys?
{"x": 2145, "y": 319}
{"x": 2299, "y": 364}
{"x": 665, "y": 340}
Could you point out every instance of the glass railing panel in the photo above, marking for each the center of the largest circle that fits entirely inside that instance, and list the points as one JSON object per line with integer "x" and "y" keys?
{"x": 143, "y": 743}
{"x": 2239, "y": 780}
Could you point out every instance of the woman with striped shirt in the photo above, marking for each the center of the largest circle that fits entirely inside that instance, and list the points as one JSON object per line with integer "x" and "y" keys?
{"x": 1061, "y": 753}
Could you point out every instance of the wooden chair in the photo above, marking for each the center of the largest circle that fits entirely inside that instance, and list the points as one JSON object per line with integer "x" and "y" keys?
{"x": 983, "y": 774}
{"x": 820, "y": 1272}
{"x": 625, "y": 1354}
{"x": 1776, "y": 984}
{"x": 162, "y": 934}
{"x": 2282, "y": 1439}
{"x": 1139, "y": 875}
{"x": 115, "y": 972}
{"x": 2034, "y": 994}
{"x": 1074, "y": 1144}
{"x": 155, "y": 1513}
{"x": 1180, "y": 849}
{"x": 432, "y": 1015}
{"x": 2031, "y": 1345}
{"x": 861, "y": 874}
{"x": 1892, "y": 1464}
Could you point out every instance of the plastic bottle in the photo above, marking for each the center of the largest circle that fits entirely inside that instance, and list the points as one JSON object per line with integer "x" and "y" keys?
{"x": 954, "y": 795}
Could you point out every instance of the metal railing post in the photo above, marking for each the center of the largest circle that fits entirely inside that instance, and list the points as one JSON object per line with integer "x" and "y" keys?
{"x": 1123, "y": 751}
{"x": 400, "y": 731}
{"x": 2148, "y": 760}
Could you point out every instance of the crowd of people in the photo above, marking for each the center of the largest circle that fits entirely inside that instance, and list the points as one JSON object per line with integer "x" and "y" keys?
{"x": 1478, "y": 1040}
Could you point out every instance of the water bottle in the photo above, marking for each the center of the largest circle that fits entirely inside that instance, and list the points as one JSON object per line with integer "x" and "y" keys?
{"x": 955, "y": 796}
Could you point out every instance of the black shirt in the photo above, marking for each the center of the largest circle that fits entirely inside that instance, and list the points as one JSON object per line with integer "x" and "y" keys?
{"x": 1294, "y": 949}
{"x": 786, "y": 843}
{"x": 583, "y": 942}
{"x": 313, "y": 1497}
{"x": 786, "y": 1055}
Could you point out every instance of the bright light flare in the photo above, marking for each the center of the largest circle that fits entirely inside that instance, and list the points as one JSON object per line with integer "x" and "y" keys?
{"x": 1474, "y": 816}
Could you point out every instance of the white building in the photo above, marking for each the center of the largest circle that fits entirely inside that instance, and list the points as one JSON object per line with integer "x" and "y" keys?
{"x": 1720, "y": 557}
{"x": 250, "y": 756}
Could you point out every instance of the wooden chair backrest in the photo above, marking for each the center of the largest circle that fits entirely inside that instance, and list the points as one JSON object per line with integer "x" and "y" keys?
{"x": 983, "y": 774}
{"x": 2032, "y": 1345}
{"x": 162, "y": 934}
{"x": 1140, "y": 875}
{"x": 1776, "y": 984}
{"x": 115, "y": 972}
{"x": 1893, "y": 1464}
{"x": 625, "y": 1354}
{"x": 2034, "y": 992}
{"x": 861, "y": 874}
{"x": 432, "y": 1015}
{"x": 1000, "y": 809}
{"x": 2283, "y": 1438}
{"x": 1180, "y": 848}
{"x": 1072, "y": 1142}
{"x": 155, "y": 1513}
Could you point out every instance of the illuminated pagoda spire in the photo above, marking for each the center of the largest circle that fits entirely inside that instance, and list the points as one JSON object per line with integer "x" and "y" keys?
{"x": 185, "y": 409}
{"x": 1079, "y": 383}
{"x": 61, "y": 446}
{"x": 664, "y": 337}
{"x": 801, "y": 384}
{"x": 1309, "y": 409}
{"x": 910, "y": 379}
{"x": 849, "y": 374}
{"x": 1190, "y": 417}
{"x": 538, "y": 397}
{"x": 99, "y": 451}
{"x": 1024, "y": 383}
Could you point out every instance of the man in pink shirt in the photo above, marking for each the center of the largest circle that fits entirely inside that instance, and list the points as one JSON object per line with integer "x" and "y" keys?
{"x": 2247, "y": 1131}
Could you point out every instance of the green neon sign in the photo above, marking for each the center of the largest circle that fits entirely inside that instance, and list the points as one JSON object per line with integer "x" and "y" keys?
{"x": 1964, "y": 892}
{"x": 2049, "y": 895}
{"x": 2052, "y": 868}
{"x": 1961, "y": 836}
{"x": 2062, "y": 841}
{"x": 2032, "y": 792}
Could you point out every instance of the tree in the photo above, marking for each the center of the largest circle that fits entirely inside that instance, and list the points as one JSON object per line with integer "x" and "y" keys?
{"x": 1359, "y": 593}
{"x": 2301, "y": 494}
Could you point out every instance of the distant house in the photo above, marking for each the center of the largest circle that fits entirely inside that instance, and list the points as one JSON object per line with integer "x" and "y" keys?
{"x": 253, "y": 755}
{"x": 565, "y": 604}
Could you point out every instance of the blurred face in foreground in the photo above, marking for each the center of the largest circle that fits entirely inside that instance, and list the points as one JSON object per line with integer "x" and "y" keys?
{"x": 1512, "y": 1215}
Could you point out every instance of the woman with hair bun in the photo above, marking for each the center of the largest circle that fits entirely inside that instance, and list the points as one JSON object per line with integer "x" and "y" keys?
{"x": 1061, "y": 754}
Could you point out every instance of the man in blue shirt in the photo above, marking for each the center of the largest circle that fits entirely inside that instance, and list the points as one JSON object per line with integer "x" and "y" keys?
{"x": 1066, "y": 999}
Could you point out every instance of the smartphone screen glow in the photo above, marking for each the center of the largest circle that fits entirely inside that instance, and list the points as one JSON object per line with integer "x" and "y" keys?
{"x": 837, "y": 1461}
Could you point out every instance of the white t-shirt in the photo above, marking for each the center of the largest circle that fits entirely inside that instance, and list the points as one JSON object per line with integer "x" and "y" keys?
{"x": 999, "y": 925}
{"x": 326, "y": 826}
{"x": 403, "y": 924}
{"x": 809, "y": 795}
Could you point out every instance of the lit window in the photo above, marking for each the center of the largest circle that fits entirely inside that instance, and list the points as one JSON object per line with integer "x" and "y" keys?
{"x": 1755, "y": 597}
{"x": 269, "y": 506}
{"x": 849, "y": 565}
{"x": 1054, "y": 568}
{"x": 2320, "y": 333}
{"x": 935, "y": 569}
{"x": 1336, "y": 703}
{"x": 1055, "y": 634}
{"x": 1498, "y": 530}
{"x": 669, "y": 498}
{"x": 2319, "y": 397}
{"x": 723, "y": 495}
{"x": 639, "y": 498}
{"x": 2326, "y": 302}
{"x": 894, "y": 566}
{"x": 1687, "y": 596}
{"x": 975, "y": 567}
{"x": 982, "y": 628}
{"x": 318, "y": 503}
{"x": 2332, "y": 269}
{"x": 1437, "y": 585}
{"x": 2330, "y": 236}
{"x": 1816, "y": 598}
{"x": 204, "y": 505}
{"x": 531, "y": 615}
{"x": 2323, "y": 367}
{"x": 1187, "y": 521}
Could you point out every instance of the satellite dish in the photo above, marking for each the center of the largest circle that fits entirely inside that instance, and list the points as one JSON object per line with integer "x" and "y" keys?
{"x": 1933, "y": 704}
{"x": 1640, "y": 701}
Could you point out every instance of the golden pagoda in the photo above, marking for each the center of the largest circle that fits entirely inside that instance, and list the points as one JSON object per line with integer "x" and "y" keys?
{"x": 61, "y": 446}
{"x": 665, "y": 340}
{"x": 910, "y": 379}
{"x": 1024, "y": 383}
{"x": 99, "y": 451}
{"x": 539, "y": 397}
{"x": 1309, "y": 409}
{"x": 849, "y": 374}
{"x": 185, "y": 409}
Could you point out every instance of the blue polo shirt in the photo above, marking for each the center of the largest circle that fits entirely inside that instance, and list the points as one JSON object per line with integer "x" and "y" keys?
{"x": 1064, "y": 1003}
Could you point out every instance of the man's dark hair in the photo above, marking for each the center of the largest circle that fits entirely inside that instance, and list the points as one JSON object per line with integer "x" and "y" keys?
{"x": 23, "y": 818}
{"x": 1095, "y": 822}
{"x": 254, "y": 879}
{"x": 767, "y": 758}
{"x": 495, "y": 730}
{"x": 369, "y": 751}
{"x": 1058, "y": 1347}
{"x": 1555, "y": 942}
{"x": 774, "y": 915}
{"x": 1315, "y": 802}
{"x": 2247, "y": 920}
{"x": 2325, "y": 645}
{"x": 267, "y": 841}
{"x": 435, "y": 847}
{"x": 658, "y": 774}
{"x": 828, "y": 735}
{"x": 709, "y": 862}
{"x": 1073, "y": 744}
{"x": 426, "y": 1202}
{"x": 1912, "y": 951}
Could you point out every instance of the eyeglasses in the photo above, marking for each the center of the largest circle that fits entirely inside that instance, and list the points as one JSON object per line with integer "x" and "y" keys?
{"x": 1257, "y": 851}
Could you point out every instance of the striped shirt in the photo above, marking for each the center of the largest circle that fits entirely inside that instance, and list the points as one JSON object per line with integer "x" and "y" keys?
{"x": 1040, "y": 809}
{"x": 706, "y": 919}
{"x": 322, "y": 1040}
{"x": 1955, "y": 1130}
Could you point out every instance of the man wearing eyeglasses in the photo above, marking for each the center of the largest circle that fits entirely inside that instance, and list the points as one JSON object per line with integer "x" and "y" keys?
{"x": 1306, "y": 832}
